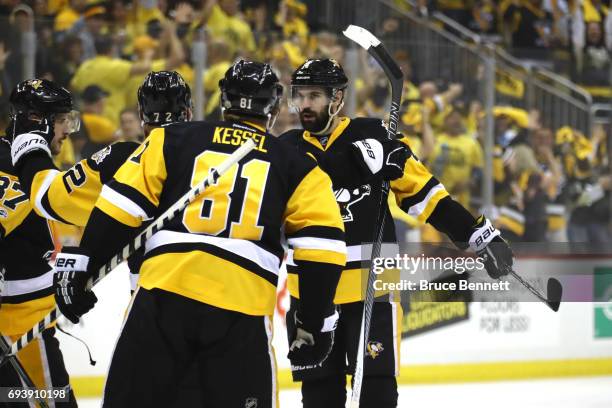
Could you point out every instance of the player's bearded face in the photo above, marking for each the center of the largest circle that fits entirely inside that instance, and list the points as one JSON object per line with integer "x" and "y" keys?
{"x": 312, "y": 103}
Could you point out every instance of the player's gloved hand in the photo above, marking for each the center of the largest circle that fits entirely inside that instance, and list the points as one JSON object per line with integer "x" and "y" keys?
{"x": 70, "y": 281}
{"x": 496, "y": 254}
{"x": 384, "y": 157}
{"x": 28, "y": 135}
{"x": 311, "y": 344}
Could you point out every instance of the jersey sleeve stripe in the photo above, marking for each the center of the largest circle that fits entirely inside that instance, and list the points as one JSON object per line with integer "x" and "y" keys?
{"x": 117, "y": 213}
{"x": 319, "y": 232}
{"x": 239, "y": 247}
{"x": 124, "y": 203}
{"x": 44, "y": 202}
{"x": 25, "y": 286}
{"x": 414, "y": 199}
{"x": 319, "y": 255}
{"x": 356, "y": 255}
{"x": 42, "y": 192}
{"x": 135, "y": 196}
{"x": 318, "y": 243}
{"x": 417, "y": 209}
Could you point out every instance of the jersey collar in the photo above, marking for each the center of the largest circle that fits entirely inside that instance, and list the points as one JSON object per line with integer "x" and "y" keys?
{"x": 344, "y": 122}
{"x": 254, "y": 125}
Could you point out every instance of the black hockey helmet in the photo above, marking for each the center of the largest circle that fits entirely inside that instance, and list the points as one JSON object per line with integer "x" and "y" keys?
{"x": 164, "y": 97}
{"x": 41, "y": 97}
{"x": 325, "y": 72}
{"x": 250, "y": 88}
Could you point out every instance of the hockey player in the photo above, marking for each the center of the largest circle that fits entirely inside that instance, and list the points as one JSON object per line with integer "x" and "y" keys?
{"x": 69, "y": 196}
{"x": 357, "y": 156}
{"x": 26, "y": 244}
{"x": 207, "y": 288}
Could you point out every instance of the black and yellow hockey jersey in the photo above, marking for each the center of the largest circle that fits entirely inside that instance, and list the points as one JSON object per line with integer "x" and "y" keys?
{"x": 70, "y": 196}
{"x": 225, "y": 249}
{"x": 417, "y": 193}
{"x": 26, "y": 246}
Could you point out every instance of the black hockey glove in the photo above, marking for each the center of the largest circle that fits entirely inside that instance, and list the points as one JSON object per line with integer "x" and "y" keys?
{"x": 496, "y": 254}
{"x": 381, "y": 157}
{"x": 29, "y": 135}
{"x": 311, "y": 345}
{"x": 70, "y": 282}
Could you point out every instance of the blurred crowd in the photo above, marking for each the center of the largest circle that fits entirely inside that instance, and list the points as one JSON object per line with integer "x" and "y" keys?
{"x": 572, "y": 36}
{"x": 551, "y": 184}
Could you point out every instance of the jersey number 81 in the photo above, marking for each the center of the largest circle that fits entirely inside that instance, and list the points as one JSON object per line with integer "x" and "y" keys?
{"x": 210, "y": 213}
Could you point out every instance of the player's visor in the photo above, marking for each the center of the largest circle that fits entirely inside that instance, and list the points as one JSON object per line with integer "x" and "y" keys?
{"x": 72, "y": 120}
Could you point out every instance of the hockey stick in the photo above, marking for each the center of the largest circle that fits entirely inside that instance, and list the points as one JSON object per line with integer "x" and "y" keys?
{"x": 554, "y": 290}
{"x": 21, "y": 372}
{"x": 377, "y": 50}
{"x": 140, "y": 239}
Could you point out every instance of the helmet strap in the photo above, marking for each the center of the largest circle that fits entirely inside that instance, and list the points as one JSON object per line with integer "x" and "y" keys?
{"x": 331, "y": 118}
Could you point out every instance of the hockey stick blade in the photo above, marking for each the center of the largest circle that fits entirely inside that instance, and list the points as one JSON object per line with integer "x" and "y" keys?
{"x": 554, "y": 290}
{"x": 361, "y": 36}
{"x": 141, "y": 238}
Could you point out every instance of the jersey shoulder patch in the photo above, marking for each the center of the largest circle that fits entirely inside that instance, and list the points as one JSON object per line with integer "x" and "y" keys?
{"x": 108, "y": 160}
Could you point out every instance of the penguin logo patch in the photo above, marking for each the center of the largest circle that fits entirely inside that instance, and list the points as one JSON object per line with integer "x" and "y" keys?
{"x": 347, "y": 197}
{"x": 250, "y": 403}
{"x": 100, "y": 155}
{"x": 374, "y": 348}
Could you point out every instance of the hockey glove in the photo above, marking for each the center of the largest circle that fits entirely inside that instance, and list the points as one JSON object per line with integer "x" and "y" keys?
{"x": 70, "y": 283}
{"x": 491, "y": 247}
{"x": 29, "y": 135}
{"x": 310, "y": 346}
{"x": 381, "y": 157}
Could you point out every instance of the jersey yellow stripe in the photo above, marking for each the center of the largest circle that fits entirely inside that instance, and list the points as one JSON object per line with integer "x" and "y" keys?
{"x": 220, "y": 283}
{"x": 18, "y": 318}
{"x": 319, "y": 255}
{"x": 431, "y": 205}
{"x": 117, "y": 213}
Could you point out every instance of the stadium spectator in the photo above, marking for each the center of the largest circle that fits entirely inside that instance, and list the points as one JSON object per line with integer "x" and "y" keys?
{"x": 484, "y": 17}
{"x": 97, "y": 131}
{"x": 457, "y": 158}
{"x": 68, "y": 58}
{"x": 592, "y": 57}
{"x": 458, "y": 10}
{"x": 223, "y": 20}
{"x": 530, "y": 26}
{"x": 110, "y": 73}
{"x": 129, "y": 126}
{"x": 219, "y": 61}
{"x": 68, "y": 15}
{"x": 91, "y": 25}
{"x": 290, "y": 19}
{"x": 165, "y": 54}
